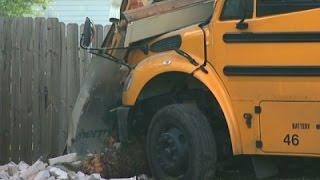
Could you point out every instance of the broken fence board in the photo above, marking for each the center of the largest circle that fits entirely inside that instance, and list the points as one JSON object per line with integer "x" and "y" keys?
{"x": 68, "y": 158}
{"x": 84, "y": 61}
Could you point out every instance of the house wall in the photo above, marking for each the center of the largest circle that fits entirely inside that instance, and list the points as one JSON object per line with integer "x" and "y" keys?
{"x": 75, "y": 11}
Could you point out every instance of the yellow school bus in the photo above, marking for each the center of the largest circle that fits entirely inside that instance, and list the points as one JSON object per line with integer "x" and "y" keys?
{"x": 244, "y": 82}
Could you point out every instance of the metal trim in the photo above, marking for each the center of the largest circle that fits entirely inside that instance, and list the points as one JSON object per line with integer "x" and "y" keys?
{"x": 272, "y": 70}
{"x": 272, "y": 37}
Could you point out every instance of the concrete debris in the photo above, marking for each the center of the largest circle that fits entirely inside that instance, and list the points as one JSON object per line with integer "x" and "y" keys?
{"x": 51, "y": 178}
{"x": 42, "y": 171}
{"x": 72, "y": 176}
{"x": 76, "y": 163}
{"x": 133, "y": 178}
{"x": 4, "y": 175}
{"x": 12, "y": 169}
{"x": 3, "y": 168}
{"x": 69, "y": 158}
{"x": 142, "y": 177}
{"x": 23, "y": 166}
{"x": 34, "y": 169}
{"x": 58, "y": 173}
{"x": 95, "y": 177}
{"x": 81, "y": 175}
{"x": 42, "y": 175}
{"x": 117, "y": 145}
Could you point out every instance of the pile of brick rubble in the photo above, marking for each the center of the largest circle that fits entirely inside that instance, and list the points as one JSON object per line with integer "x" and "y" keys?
{"x": 55, "y": 168}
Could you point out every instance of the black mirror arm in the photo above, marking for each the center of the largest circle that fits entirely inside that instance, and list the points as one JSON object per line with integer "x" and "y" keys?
{"x": 242, "y": 25}
{"x": 82, "y": 43}
{"x": 114, "y": 20}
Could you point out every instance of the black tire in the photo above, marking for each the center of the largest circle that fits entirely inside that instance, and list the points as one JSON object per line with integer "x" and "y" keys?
{"x": 181, "y": 145}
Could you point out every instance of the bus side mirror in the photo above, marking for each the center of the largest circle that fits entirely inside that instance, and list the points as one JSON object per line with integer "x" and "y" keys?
{"x": 242, "y": 25}
{"x": 246, "y": 10}
{"x": 114, "y": 20}
{"x": 88, "y": 33}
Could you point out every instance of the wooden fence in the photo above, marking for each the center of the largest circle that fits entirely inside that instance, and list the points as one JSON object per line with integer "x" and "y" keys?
{"x": 41, "y": 71}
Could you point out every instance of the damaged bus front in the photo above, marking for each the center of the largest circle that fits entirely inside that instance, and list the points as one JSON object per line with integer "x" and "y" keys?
{"x": 139, "y": 34}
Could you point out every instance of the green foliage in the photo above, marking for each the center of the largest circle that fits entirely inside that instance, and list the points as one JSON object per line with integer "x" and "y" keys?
{"x": 13, "y": 8}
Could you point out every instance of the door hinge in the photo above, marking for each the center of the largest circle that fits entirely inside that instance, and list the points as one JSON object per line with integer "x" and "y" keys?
{"x": 257, "y": 109}
{"x": 248, "y": 118}
{"x": 259, "y": 144}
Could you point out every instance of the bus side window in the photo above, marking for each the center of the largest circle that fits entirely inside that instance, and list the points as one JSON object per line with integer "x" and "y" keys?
{"x": 274, "y": 7}
{"x": 233, "y": 10}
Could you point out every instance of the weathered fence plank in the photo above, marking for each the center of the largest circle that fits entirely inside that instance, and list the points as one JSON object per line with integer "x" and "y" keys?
{"x": 20, "y": 119}
{"x": 106, "y": 30}
{"x": 48, "y": 91}
{"x": 99, "y": 36}
{"x": 43, "y": 87}
{"x": 55, "y": 45}
{"x": 63, "y": 118}
{"x": 36, "y": 90}
{"x": 2, "y": 130}
{"x": 73, "y": 65}
{"x": 15, "y": 35}
{"x": 26, "y": 90}
{"x": 5, "y": 90}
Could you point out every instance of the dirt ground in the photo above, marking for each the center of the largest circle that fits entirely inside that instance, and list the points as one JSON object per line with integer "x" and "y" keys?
{"x": 132, "y": 161}
{"x": 289, "y": 169}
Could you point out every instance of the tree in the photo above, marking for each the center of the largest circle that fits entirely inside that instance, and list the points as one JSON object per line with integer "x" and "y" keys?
{"x": 12, "y": 8}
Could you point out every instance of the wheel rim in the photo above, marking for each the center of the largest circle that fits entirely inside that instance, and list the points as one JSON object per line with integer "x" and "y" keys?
{"x": 172, "y": 152}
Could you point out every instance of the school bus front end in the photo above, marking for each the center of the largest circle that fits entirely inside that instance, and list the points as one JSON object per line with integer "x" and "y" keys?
{"x": 243, "y": 82}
